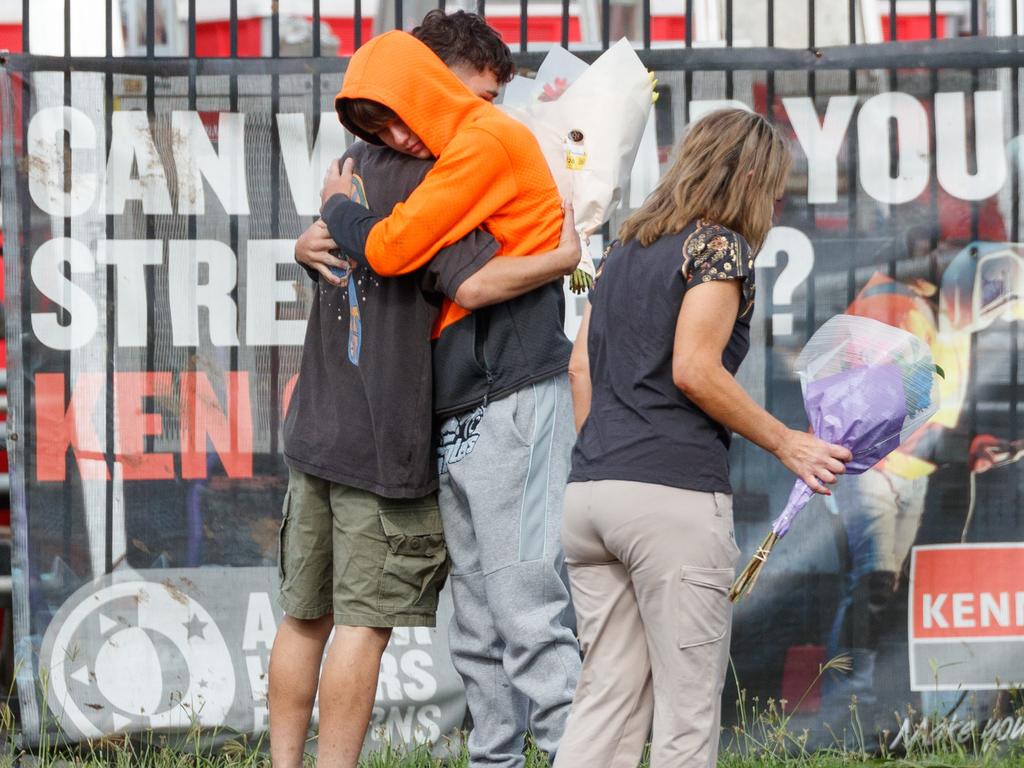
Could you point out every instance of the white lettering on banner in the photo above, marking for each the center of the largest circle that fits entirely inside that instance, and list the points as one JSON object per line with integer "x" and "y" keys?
{"x": 260, "y": 625}
{"x": 416, "y": 664}
{"x": 188, "y": 289}
{"x": 47, "y": 273}
{"x": 196, "y": 159}
{"x": 951, "y": 144}
{"x": 821, "y": 142}
{"x": 46, "y": 166}
{"x": 304, "y": 170}
{"x": 402, "y": 636}
{"x": 129, "y": 259}
{"x": 257, "y": 674}
{"x": 189, "y": 294}
{"x": 912, "y": 168}
{"x": 963, "y": 609}
{"x": 969, "y": 610}
{"x": 990, "y": 609}
{"x": 933, "y": 612}
{"x": 799, "y": 262}
{"x": 926, "y": 732}
{"x": 132, "y": 147}
{"x": 134, "y": 168}
{"x": 413, "y": 725}
{"x": 266, "y": 292}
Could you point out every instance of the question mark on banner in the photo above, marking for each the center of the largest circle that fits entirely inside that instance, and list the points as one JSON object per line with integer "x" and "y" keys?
{"x": 799, "y": 262}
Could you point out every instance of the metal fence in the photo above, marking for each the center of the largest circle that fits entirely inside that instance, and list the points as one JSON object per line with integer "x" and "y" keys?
{"x": 852, "y": 236}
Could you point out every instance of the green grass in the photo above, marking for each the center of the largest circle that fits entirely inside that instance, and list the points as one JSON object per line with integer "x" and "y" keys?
{"x": 763, "y": 736}
{"x": 236, "y": 755}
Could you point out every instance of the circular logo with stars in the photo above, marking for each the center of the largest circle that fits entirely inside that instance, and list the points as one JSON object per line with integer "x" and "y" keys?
{"x": 138, "y": 655}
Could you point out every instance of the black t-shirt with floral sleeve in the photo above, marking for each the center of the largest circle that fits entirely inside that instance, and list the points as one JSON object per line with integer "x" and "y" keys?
{"x": 641, "y": 427}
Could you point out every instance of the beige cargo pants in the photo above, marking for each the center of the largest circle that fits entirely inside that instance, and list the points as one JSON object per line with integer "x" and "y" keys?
{"x": 650, "y": 567}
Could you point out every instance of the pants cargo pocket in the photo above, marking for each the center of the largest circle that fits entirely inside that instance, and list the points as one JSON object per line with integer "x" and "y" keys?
{"x": 416, "y": 562}
{"x": 704, "y": 607}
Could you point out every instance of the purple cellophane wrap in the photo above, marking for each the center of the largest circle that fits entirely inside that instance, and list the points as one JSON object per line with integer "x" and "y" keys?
{"x": 862, "y": 409}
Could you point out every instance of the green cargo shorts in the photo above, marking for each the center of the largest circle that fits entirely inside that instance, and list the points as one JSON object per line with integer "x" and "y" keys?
{"x": 374, "y": 562}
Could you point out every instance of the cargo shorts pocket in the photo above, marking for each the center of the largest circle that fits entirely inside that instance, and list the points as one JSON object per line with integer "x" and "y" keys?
{"x": 416, "y": 561}
{"x": 704, "y": 607}
{"x": 282, "y": 533}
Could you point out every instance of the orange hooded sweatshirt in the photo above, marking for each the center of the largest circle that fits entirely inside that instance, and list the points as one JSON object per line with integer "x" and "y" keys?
{"x": 489, "y": 172}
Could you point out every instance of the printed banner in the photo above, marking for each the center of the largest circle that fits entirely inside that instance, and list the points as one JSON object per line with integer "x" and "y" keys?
{"x": 967, "y": 617}
{"x": 166, "y": 649}
{"x": 155, "y": 320}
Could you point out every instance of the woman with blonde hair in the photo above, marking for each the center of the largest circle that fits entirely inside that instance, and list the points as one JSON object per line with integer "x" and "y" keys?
{"x": 647, "y": 528}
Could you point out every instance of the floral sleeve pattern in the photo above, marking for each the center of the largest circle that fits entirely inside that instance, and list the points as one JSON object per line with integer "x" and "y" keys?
{"x": 714, "y": 252}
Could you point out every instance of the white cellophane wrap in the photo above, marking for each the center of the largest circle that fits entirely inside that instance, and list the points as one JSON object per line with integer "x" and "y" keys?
{"x": 609, "y": 103}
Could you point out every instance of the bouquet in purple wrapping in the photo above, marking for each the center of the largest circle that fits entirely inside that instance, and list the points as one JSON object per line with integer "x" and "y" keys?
{"x": 867, "y": 386}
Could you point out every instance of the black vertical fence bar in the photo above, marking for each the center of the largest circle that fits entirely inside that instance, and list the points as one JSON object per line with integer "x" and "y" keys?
{"x": 894, "y": 151}
{"x": 688, "y": 75}
{"x": 233, "y": 408}
{"x": 316, "y": 38}
{"x": 150, "y": 440}
{"x": 933, "y": 179}
{"x": 1015, "y": 236}
{"x": 647, "y": 23}
{"x": 398, "y": 14}
{"x": 606, "y": 24}
{"x": 192, "y": 225}
{"x": 27, "y": 294}
{"x": 524, "y": 30}
{"x": 359, "y": 23}
{"x": 852, "y": 186}
{"x": 275, "y": 206}
{"x": 192, "y": 51}
{"x": 972, "y": 416}
{"x": 233, "y": 28}
{"x": 481, "y": 7}
{"x": 108, "y": 358}
{"x": 728, "y": 44}
{"x": 66, "y": 227}
{"x": 317, "y": 52}
{"x": 769, "y": 340}
{"x": 565, "y": 23}
{"x": 812, "y": 218}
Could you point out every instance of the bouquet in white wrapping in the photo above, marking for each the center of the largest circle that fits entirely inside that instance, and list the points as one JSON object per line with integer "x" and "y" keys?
{"x": 589, "y": 121}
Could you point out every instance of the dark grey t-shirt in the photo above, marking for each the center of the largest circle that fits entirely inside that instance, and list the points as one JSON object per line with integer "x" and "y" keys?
{"x": 361, "y": 413}
{"x": 641, "y": 427}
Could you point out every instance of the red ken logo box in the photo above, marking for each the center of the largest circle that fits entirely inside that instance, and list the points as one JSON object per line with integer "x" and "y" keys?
{"x": 966, "y": 616}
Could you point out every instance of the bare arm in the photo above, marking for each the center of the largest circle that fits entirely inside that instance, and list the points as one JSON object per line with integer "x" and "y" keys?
{"x": 701, "y": 337}
{"x": 506, "y": 277}
{"x": 579, "y": 373}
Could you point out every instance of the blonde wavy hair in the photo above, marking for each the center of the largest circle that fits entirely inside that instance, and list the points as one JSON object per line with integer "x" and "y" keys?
{"x": 730, "y": 169}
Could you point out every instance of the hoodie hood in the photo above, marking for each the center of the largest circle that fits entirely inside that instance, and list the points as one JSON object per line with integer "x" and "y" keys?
{"x": 403, "y": 74}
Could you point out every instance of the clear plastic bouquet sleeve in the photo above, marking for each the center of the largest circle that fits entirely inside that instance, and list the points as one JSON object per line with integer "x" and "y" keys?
{"x": 589, "y": 121}
{"x": 867, "y": 386}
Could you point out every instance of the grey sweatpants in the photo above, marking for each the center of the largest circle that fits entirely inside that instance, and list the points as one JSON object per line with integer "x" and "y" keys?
{"x": 503, "y": 472}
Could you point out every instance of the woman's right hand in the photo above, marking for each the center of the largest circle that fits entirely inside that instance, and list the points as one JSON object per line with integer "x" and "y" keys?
{"x": 812, "y": 460}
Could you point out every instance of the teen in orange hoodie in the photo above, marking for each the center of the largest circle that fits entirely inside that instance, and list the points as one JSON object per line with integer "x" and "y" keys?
{"x": 504, "y": 452}
{"x": 489, "y": 172}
